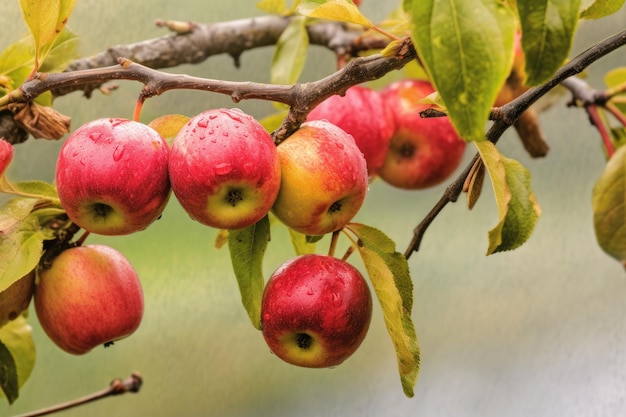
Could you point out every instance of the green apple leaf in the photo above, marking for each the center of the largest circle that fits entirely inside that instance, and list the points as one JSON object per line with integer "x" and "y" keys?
{"x": 600, "y": 8}
{"x": 247, "y": 247}
{"x": 609, "y": 207}
{"x": 301, "y": 242}
{"x": 274, "y": 120}
{"x": 16, "y": 339}
{"x": 517, "y": 207}
{"x": 37, "y": 189}
{"x": 273, "y": 6}
{"x": 8, "y": 375}
{"x": 45, "y": 20}
{"x": 616, "y": 79}
{"x": 548, "y": 28}
{"x": 338, "y": 10}
{"x": 388, "y": 271}
{"x": 16, "y": 299}
{"x": 290, "y": 53}
{"x": 20, "y": 251}
{"x": 14, "y": 212}
{"x": 468, "y": 63}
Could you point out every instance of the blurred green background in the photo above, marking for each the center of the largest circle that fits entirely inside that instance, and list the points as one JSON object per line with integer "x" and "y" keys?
{"x": 540, "y": 331}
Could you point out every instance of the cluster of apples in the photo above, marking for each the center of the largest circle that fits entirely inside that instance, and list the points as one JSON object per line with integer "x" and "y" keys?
{"x": 115, "y": 177}
{"x": 404, "y": 149}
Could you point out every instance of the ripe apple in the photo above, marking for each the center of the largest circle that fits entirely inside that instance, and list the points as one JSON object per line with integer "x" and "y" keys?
{"x": 423, "y": 151}
{"x": 316, "y": 311}
{"x": 224, "y": 169}
{"x": 90, "y": 296}
{"x": 6, "y": 155}
{"x": 361, "y": 113}
{"x": 112, "y": 177}
{"x": 324, "y": 179}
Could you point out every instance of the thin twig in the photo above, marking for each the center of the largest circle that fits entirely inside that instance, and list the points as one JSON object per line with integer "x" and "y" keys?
{"x": 116, "y": 387}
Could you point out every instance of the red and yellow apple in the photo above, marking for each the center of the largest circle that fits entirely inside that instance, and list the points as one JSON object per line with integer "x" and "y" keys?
{"x": 361, "y": 113}
{"x": 324, "y": 179}
{"x": 224, "y": 169}
{"x": 90, "y": 296}
{"x": 316, "y": 311}
{"x": 423, "y": 151}
{"x": 111, "y": 176}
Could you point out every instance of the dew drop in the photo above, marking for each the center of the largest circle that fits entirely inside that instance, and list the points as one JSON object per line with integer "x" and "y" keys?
{"x": 225, "y": 133}
{"x": 201, "y": 136}
{"x": 118, "y": 153}
{"x": 203, "y": 123}
{"x": 212, "y": 131}
{"x": 95, "y": 136}
{"x": 223, "y": 168}
{"x": 310, "y": 292}
{"x": 116, "y": 122}
{"x": 212, "y": 116}
{"x": 339, "y": 145}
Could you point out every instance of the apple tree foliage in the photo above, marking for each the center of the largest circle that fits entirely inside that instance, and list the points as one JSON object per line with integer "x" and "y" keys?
{"x": 464, "y": 47}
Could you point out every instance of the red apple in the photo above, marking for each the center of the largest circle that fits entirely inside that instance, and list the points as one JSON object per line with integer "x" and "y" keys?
{"x": 224, "y": 169}
{"x": 423, "y": 151}
{"x": 112, "y": 177}
{"x": 90, "y": 296}
{"x": 324, "y": 179}
{"x": 316, "y": 311}
{"x": 6, "y": 155}
{"x": 361, "y": 113}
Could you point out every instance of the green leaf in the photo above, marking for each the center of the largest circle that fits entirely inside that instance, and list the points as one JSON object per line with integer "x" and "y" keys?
{"x": 467, "y": 62}
{"x": 8, "y": 375}
{"x": 247, "y": 247}
{"x": 600, "y": 8}
{"x": 274, "y": 120}
{"x": 609, "y": 207}
{"x": 273, "y": 6}
{"x": 616, "y": 79}
{"x": 290, "y": 53}
{"x": 388, "y": 271}
{"x": 45, "y": 20}
{"x": 301, "y": 244}
{"x": 63, "y": 51}
{"x": 548, "y": 28}
{"x": 16, "y": 338}
{"x": 20, "y": 251}
{"x": 518, "y": 210}
{"x": 37, "y": 189}
{"x": 338, "y": 10}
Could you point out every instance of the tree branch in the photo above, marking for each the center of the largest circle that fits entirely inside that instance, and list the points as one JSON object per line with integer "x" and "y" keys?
{"x": 301, "y": 98}
{"x": 116, "y": 387}
{"x": 507, "y": 115}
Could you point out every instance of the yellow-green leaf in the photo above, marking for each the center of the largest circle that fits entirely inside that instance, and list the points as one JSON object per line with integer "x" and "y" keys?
{"x": 273, "y": 6}
{"x": 20, "y": 251}
{"x": 388, "y": 272}
{"x": 247, "y": 247}
{"x": 600, "y": 8}
{"x": 16, "y": 337}
{"x": 609, "y": 207}
{"x": 290, "y": 53}
{"x": 338, "y": 10}
{"x": 467, "y": 62}
{"x": 300, "y": 243}
{"x": 518, "y": 210}
{"x": 274, "y": 120}
{"x": 548, "y": 28}
{"x": 169, "y": 125}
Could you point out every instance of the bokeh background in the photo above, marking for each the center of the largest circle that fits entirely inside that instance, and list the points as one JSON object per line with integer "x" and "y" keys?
{"x": 540, "y": 331}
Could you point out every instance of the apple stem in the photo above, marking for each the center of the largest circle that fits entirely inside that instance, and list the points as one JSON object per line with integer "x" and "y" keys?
{"x": 116, "y": 387}
{"x": 349, "y": 252}
{"x": 333, "y": 243}
{"x": 138, "y": 108}
{"x": 82, "y": 239}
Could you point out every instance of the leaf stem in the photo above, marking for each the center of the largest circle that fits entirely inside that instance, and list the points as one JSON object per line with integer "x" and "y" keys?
{"x": 116, "y": 387}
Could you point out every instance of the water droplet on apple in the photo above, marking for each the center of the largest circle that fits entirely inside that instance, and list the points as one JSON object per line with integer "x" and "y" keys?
{"x": 339, "y": 145}
{"x": 95, "y": 136}
{"x": 212, "y": 131}
{"x": 201, "y": 136}
{"x": 118, "y": 153}
{"x": 223, "y": 168}
{"x": 310, "y": 292}
{"x": 225, "y": 133}
{"x": 116, "y": 122}
{"x": 203, "y": 123}
{"x": 212, "y": 116}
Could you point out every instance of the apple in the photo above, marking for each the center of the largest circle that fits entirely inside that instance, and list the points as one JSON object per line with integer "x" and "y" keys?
{"x": 324, "y": 179}
{"x": 6, "y": 155}
{"x": 361, "y": 113}
{"x": 316, "y": 311}
{"x": 90, "y": 296}
{"x": 224, "y": 169}
{"x": 423, "y": 151}
{"x": 112, "y": 177}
